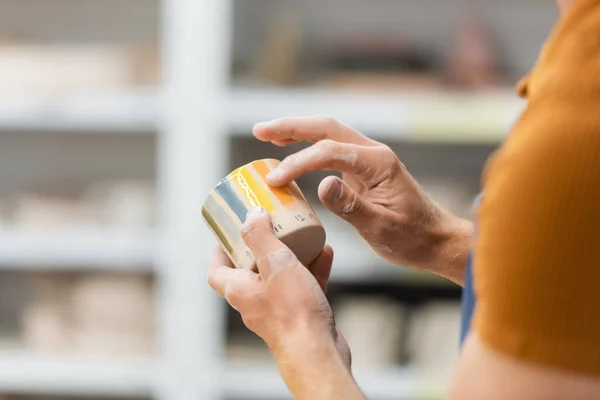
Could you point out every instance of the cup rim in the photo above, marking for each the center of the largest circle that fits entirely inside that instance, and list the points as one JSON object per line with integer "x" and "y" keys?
{"x": 228, "y": 176}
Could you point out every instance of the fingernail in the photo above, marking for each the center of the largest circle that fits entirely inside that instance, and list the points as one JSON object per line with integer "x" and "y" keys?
{"x": 334, "y": 190}
{"x": 274, "y": 175}
{"x": 256, "y": 212}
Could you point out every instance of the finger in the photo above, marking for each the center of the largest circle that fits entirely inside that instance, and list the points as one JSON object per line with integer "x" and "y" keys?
{"x": 284, "y": 142}
{"x": 221, "y": 258}
{"x": 270, "y": 253}
{"x": 343, "y": 201}
{"x": 309, "y": 129}
{"x": 233, "y": 284}
{"x": 321, "y": 267}
{"x": 328, "y": 155}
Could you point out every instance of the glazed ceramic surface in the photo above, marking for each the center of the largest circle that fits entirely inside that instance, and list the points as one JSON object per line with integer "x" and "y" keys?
{"x": 294, "y": 220}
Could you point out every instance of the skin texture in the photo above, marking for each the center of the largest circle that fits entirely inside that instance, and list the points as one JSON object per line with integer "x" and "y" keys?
{"x": 376, "y": 194}
{"x": 285, "y": 302}
{"x": 483, "y": 373}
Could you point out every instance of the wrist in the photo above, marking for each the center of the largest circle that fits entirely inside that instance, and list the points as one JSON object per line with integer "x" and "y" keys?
{"x": 303, "y": 341}
{"x": 453, "y": 245}
{"x": 310, "y": 362}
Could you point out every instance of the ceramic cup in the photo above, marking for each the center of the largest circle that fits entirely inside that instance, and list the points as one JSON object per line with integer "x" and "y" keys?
{"x": 294, "y": 221}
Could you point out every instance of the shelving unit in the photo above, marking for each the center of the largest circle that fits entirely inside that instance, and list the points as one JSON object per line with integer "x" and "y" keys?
{"x": 77, "y": 377}
{"x": 264, "y": 383}
{"x": 128, "y": 111}
{"x": 175, "y": 252}
{"x": 446, "y": 118}
{"x": 196, "y": 118}
{"x": 77, "y": 248}
{"x": 439, "y": 118}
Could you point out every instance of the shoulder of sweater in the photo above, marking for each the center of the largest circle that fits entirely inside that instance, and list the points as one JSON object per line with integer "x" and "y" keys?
{"x": 549, "y": 138}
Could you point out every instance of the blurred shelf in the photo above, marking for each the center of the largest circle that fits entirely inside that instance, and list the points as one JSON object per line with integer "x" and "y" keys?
{"x": 136, "y": 250}
{"x": 77, "y": 248}
{"x": 127, "y": 111}
{"x": 66, "y": 376}
{"x": 251, "y": 382}
{"x": 437, "y": 117}
{"x": 424, "y": 117}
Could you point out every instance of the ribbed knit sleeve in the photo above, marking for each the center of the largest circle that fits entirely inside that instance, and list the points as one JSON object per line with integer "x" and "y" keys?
{"x": 537, "y": 255}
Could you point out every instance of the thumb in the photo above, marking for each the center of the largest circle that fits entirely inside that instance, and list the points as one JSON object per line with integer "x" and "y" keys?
{"x": 343, "y": 201}
{"x": 321, "y": 267}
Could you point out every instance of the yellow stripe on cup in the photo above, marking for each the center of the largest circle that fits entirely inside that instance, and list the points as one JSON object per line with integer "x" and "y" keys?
{"x": 255, "y": 190}
{"x": 282, "y": 194}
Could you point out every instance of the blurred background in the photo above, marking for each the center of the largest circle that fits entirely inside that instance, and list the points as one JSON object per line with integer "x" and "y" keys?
{"x": 117, "y": 117}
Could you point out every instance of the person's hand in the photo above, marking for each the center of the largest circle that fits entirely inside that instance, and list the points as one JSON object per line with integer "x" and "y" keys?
{"x": 285, "y": 299}
{"x": 376, "y": 194}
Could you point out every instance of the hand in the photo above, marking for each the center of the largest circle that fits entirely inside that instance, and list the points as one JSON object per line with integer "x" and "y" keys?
{"x": 376, "y": 194}
{"x": 285, "y": 299}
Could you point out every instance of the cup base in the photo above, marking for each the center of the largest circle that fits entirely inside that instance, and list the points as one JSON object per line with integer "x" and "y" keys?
{"x": 306, "y": 242}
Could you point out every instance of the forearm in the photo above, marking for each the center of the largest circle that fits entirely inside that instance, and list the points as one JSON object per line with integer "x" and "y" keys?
{"x": 313, "y": 369}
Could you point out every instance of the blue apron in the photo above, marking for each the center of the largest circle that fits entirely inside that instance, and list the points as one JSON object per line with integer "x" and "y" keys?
{"x": 468, "y": 301}
{"x": 468, "y": 295}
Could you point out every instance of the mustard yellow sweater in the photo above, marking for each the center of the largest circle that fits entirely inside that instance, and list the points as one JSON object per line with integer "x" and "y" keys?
{"x": 537, "y": 254}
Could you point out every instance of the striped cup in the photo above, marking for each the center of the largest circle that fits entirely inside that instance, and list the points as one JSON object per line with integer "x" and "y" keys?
{"x": 294, "y": 221}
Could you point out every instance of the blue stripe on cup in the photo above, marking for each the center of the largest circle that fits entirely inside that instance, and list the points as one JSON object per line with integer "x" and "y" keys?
{"x": 227, "y": 192}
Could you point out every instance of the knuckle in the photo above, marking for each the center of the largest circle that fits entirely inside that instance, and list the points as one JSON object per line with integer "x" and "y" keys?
{"x": 329, "y": 121}
{"x": 232, "y": 294}
{"x": 328, "y": 145}
{"x": 388, "y": 157}
{"x": 295, "y": 161}
{"x": 386, "y": 153}
{"x": 282, "y": 258}
{"x": 250, "y": 227}
{"x": 291, "y": 130}
{"x": 281, "y": 123}
{"x": 284, "y": 127}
